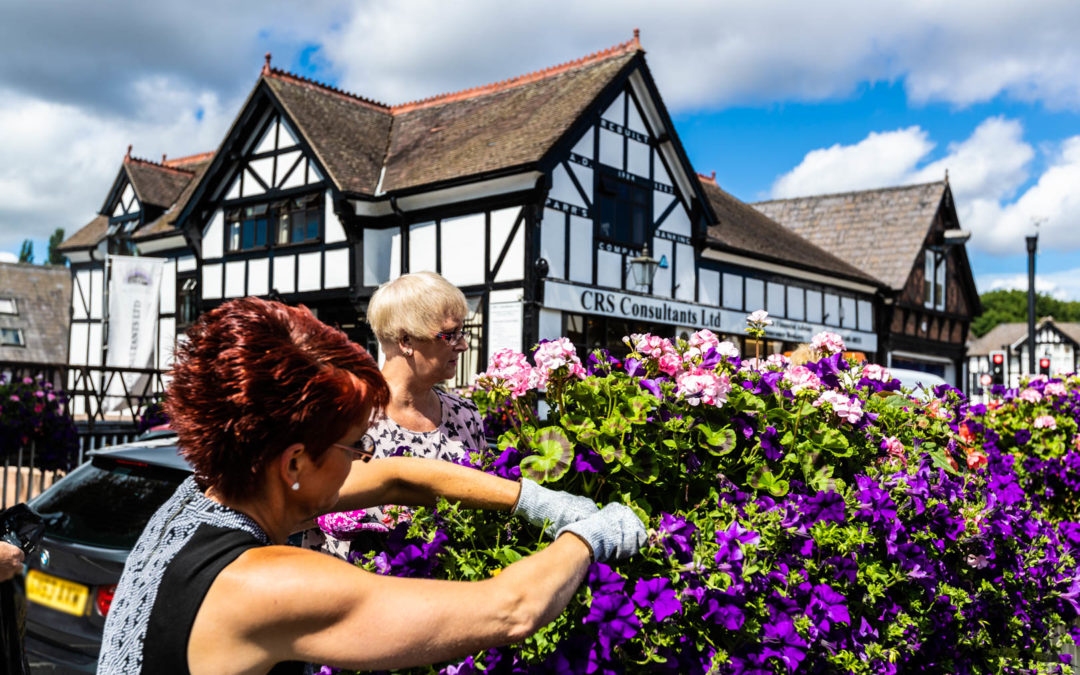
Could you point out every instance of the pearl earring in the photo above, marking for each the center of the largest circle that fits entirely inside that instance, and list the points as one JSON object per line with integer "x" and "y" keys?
{"x": 296, "y": 485}
{"x": 408, "y": 352}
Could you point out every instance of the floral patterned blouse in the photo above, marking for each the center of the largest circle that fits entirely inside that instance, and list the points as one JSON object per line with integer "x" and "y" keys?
{"x": 460, "y": 431}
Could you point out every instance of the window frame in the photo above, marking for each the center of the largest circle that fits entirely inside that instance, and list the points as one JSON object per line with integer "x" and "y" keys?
{"x": 267, "y": 217}
{"x": 607, "y": 192}
{"x": 18, "y": 332}
{"x": 14, "y": 306}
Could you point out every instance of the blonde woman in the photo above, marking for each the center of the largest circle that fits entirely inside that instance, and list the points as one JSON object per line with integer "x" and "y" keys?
{"x": 418, "y": 320}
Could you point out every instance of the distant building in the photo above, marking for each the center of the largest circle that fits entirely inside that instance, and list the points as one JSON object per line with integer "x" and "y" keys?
{"x": 1057, "y": 341}
{"x": 908, "y": 238}
{"x": 35, "y": 302}
{"x": 533, "y": 195}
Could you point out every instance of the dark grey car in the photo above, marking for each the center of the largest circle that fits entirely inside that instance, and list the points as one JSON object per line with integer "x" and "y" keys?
{"x": 93, "y": 517}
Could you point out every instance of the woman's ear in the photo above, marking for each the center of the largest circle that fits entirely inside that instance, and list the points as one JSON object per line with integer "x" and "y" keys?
{"x": 292, "y": 464}
{"x": 405, "y": 345}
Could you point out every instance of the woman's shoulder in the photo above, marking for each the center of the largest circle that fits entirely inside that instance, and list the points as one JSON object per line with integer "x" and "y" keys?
{"x": 455, "y": 402}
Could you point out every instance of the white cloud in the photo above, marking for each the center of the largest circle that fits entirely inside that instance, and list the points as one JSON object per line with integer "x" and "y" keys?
{"x": 881, "y": 159}
{"x": 59, "y": 160}
{"x": 713, "y": 54}
{"x": 6, "y": 257}
{"x": 985, "y": 171}
{"x": 1063, "y": 284}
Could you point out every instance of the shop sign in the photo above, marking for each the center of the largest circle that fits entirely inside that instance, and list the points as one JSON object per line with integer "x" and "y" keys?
{"x": 589, "y": 300}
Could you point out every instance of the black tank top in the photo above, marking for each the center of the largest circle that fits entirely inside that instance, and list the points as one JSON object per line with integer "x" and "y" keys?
{"x": 186, "y": 544}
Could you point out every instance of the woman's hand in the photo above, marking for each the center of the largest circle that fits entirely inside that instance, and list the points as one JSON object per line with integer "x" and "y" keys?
{"x": 11, "y": 560}
{"x": 613, "y": 533}
{"x": 551, "y": 509}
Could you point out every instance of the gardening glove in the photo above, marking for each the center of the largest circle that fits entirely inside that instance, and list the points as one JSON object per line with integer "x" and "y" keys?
{"x": 615, "y": 532}
{"x": 551, "y": 509}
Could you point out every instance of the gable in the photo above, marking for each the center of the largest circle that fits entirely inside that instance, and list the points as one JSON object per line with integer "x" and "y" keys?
{"x": 271, "y": 160}
{"x": 615, "y": 192}
{"x": 126, "y": 202}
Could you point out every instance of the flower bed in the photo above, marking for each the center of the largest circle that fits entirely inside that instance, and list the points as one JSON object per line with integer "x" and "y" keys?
{"x": 803, "y": 516}
{"x": 32, "y": 413}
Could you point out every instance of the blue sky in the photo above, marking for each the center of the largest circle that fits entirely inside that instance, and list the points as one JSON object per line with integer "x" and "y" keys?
{"x": 780, "y": 99}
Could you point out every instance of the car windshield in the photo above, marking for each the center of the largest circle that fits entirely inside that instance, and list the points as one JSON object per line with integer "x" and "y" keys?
{"x": 106, "y": 502}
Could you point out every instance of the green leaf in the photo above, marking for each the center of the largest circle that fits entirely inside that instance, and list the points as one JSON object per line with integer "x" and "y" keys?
{"x": 896, "y": 401}
{"x": 610, "y": 452}
{"x": 717, "y": 441}
{"x": 642, "y": 466}
{"x": 580, "y": 425}
{"x": 762, "y": 479}
{"x": 554, "y": 454}
{"x": 941, "y": 460}
{"x": 616, "y": 425}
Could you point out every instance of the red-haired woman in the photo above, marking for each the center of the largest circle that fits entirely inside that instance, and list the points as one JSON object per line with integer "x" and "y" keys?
{"x": 268, "y": 404}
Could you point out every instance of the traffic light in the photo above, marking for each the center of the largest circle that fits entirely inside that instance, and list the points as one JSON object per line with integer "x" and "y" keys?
{"x": 1044, "y": 365}
{"x": 997, "y": 367}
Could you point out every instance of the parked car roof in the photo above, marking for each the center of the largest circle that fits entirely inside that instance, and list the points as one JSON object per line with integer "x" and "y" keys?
{"x": 161, "y": 450}
{"x": 920, "y": 383}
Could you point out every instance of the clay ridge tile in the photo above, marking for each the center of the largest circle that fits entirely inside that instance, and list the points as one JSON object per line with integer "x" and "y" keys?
{"x": 632, "y": 45}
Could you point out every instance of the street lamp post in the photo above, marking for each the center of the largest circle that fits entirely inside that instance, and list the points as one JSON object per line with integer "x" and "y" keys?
{"x": 1032, "y": 245}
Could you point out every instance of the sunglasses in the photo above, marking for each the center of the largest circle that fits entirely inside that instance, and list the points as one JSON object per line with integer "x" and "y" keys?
{"x": 363, "y": 449}
{"x": 453, "y": 336}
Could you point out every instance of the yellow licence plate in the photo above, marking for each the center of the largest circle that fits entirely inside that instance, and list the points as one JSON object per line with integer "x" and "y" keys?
{"x": 59, "y": 594}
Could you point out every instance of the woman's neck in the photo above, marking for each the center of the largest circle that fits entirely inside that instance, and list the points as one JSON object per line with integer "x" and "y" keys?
{"x": 265, "y": 513}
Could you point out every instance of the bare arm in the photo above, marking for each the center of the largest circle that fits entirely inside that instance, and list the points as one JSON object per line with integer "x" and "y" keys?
{"x": 282, "y": 603}
{"x": 410, "y": 481}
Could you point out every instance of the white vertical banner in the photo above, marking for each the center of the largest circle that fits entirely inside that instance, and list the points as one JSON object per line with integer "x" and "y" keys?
{"x": 134, "y": 287}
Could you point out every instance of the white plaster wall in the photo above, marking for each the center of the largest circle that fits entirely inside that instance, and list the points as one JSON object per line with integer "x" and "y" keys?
{"x": 285, "y": 274}
{"x": 258, "y": 271}
{"x": 337, "y": 268}
{"x": 235, "y": 272}
{"x": 422, "y": 247}
{"x": 309, "y": 269}
{"x": 581, "y": 248}
{"x": 463, "y": 249}
{"x": 211, "y": 281}
{"x": 551, "y": 242}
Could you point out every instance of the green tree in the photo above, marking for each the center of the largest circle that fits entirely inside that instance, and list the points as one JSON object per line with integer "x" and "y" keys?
{"x": 26, "y": 253}
{"x": 55, "y": 257}
{"x": 1010, "y": 306}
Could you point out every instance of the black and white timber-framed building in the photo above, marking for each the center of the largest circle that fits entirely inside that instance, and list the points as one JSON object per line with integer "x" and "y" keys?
{"x": 531, "y": 195}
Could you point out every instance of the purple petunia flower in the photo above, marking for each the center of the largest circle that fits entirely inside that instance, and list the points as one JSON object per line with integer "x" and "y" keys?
{"x": 782, "y": 641}
{"x": 823, "y": 507}
{"x": 729, "y": 540}
{"x": 507, "y": 464}
{"x": 604, "y": 580}
{"x": 614, "y": 615}
{"x": 675, "y": 533}
{"x": 827, "y": 606}
{"x": 657, "y": 595}
{"x": 651, "y": 386}
{"x": 723, "y": 614}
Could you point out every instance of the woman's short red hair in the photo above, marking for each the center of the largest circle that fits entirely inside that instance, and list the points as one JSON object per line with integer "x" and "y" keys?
{"x": 255, "y": 376}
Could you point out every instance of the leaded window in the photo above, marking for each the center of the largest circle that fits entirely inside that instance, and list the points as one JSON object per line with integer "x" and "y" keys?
{"x": 289, "y": 221}
{"x": 623, "y": 211}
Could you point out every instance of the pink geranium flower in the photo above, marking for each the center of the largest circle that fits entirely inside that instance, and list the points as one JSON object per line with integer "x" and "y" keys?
{"x": 828, "y": 343}
{"x": 847, "y": 409}
{"x": 877, "y": 373}
{"x": 759, "y": 318}
{"x": 801, "y": 378}
{"x": 556, "y": 354}
{"x": 703, "y": 386}
{"x": 510, "y": 370}
{"x": 1045, "y": 422}
{"x": 1054, "y": 389}
{"x": 1030, "y": 395}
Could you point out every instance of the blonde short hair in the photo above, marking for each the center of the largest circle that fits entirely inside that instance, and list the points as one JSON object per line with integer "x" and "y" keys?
{"x": 414, "y": 304}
